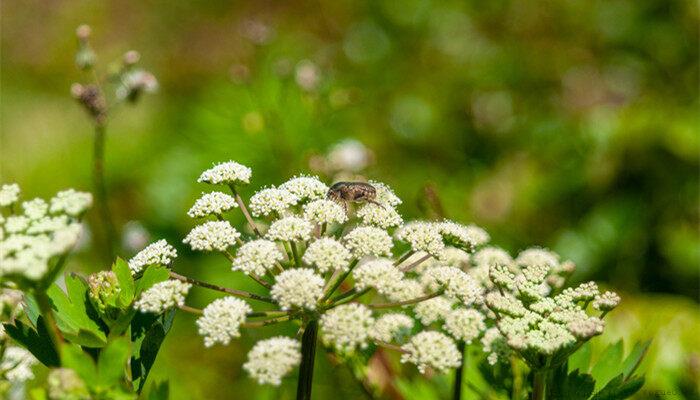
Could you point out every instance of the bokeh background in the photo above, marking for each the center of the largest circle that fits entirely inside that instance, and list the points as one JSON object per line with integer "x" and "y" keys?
{"x": 571, "y": 124}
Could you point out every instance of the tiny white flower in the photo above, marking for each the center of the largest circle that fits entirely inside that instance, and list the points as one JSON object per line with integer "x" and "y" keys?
{"x": 35, "y": 208}
{"x": 368, "y": 241}
{"x": 422, "y": 236}
{"x": 9, "y": 194}
{"x": 454, "y": 257}
{"x": 163, "y": 296}
{"x": 226, "y": 173}
{"x": 301, "y": 288}
{"x": 430, "y": 349}
{"x": 270, "y": 360}
{"x": 536, "y": 256}
{"x": 327, "y": 254}
{"x": 290, "y": 229}
{"x": 467, "y": 237}
{"x": 157, "y": 253}
{"x": 456, "y": 283}
{"x": 491, "y": 256}
{"x": 465, "y": 324}
{"x": 271, "y": 201}
{"x": 214, "y": 203}
{"x": 325, "y": 212}
{"x": 16, "y": 223}
{"x": 506, "y": 304}
{"x": 48, "y": 224}
{"x": 606, "y": 301}
{"x": 221, "y": 320}
{"x": 306, "y": 187}
{"x": 381, "y": 216}
{"x": 495, "y": 345}
{"x": 385, "y": 196}
{"x": 388, "y": 326}
{"x": 71, "y": 202}
{"x": 403, "y": 290}
{"x": 17, "y": 364}
{"x": 257, "y": 257}
{"x": 346, "y": 327}
{"x": 213, "y": 235}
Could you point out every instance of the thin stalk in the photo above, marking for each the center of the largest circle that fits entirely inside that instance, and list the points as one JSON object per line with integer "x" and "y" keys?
{"x": 308, "y": 354}
{"x": 190, "y": 310}
{"x": 347, "y": 297}
{"x": 233, "y": 292}
{"x": 406, "y": 302}
{"x": 255, "y": 277}
{"x": 389, "y": 346}
{"x": 339, "y": 281}
{"x": 44, "y": 304}
{"x": 538, "y": 385}
{"x": 459, "y": 372}
{"x": 295, "y": 253}
{"x": 415, "y": 263}
{"x": 101, "y": 190}
{"x": 404, "y": 257}
{"x": 275, "y": 320}
{"x": 244, "y": 210}
{"x": 266, "y": 313}
{"x": 517, "y": 379}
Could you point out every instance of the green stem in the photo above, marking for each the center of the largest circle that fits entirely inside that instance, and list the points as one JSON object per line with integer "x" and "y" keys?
{"x": 44, "y": 304}
{"x": 244, "y": 210}
{"x": 538, "y": 385}
{"x": 295, "y": 252}
{"x": 101, "y": 191}
{"x": 347, "y": 297}
{"x": 415, "y": 263}
{"x": 406, "y": 302}
{"x": 233, "y": 292}
{"x": 404, "y": 257}
{"x": 308, "y": 354}
{"x": 339, "y": 281}
{"x": 459, "y": 372}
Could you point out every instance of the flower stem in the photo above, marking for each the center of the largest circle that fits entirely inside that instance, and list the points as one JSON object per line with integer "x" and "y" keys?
{"x": 244, "y": 210}
{"x": 538, "y": 385}
{"x": 101, "y": 191}
{"x": 44, "y": 304}
{"x": 459, "y": 372}
{"x": 406, "y": 302}
{"x": 190, "y": 310}
{"x": 233, "y": 292}
{"x": 339, "y": 281}
{"x": 308, "y": 354}
{"x": 415, "y": 263}
{"x": 389, "y": 346}
{"x": 295, "y": 252}
{"x": 347, "y": 297}
{"x": 404, "y": 257}
{"x": 258, "y": 324}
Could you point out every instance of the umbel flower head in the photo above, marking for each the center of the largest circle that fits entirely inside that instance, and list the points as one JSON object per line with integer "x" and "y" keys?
{"x": 34, "y": 235}
{"x": 316, "y": 260}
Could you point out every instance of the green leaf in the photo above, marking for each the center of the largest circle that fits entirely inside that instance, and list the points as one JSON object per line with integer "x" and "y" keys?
{"x": 111, "y": 363}
{"x": 581, "y": 359}
{"x": 609, "y": 365}
{"x": 151, "y": 276}
{"x": 574, "y": 386}
{"x": 75, "y": 358}
{"x": 635, "y": 358}
{"x": 38, "y": 342}
{"x": 159, "y": 391}
{"x": 147, "y": 333}
{"x": 618, "y": 388}
{"x": 126, "y": 282}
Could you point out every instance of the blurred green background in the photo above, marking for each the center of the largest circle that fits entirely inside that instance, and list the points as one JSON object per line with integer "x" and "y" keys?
{"x": 571, "y": 124}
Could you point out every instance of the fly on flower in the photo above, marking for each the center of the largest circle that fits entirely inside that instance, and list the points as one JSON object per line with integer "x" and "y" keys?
{"x": 356, "y": 192}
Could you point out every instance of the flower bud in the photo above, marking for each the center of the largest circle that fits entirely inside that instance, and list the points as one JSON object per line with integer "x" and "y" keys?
{"x": 104, "y": 292}
{"x": 131, "y": 57}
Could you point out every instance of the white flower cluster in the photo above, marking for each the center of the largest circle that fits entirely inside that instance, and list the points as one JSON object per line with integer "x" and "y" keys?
{"x": 380, "y": 274}
{"x": 300, "y": 287}
{"x": 17, "y": 364}
{"x": 388, "y": 326}
{"x": 325, "y": 212}
{"x": 378, "y": 215}
{"x": 306, "y": 187}
{"x": 214, "y": 203}
{"x": 226, "y": 173}
{"x": 327, "y": 254}
{"x": 430, "y": 349}
{"x": 346, "y": 327}
{"x": 212, "y": 235}
{"x": 466, "y": 237}
{"x": 221, "y": 320}
{"x": 270, "y": 360}
{"x": 368, "y": 241}
{"x": 29, "y": 241}
{"x": 271, "y": 201}
{"x": 432, "y": 310}
{"x": 465, "y": 324}
{"x": 158, "y": 253}
{"x": 290, "y": 229}
{"x": 163, "y": 296}
{"x": 257, "y": 257}
{"x": 422, "y": 236}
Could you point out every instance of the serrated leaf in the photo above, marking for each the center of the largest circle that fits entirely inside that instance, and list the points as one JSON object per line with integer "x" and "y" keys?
{"x": 635, "y": 358}
{"x": 151, "y": 276}
{"x": 618, "y": 388}
{"x": 126, "y": 282}
{"x": 38, "y": 342}
{"x": 581, "y": 359}
{"x": 609, "y": 365}
{"x": 75, "y": 358}
{"x": 574, "y": 386}
{"x": 159, "y": 391}
{"x": 112, "y": 361}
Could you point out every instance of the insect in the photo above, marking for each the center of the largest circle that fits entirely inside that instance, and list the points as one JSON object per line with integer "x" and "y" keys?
{"x": 356, "y": 192}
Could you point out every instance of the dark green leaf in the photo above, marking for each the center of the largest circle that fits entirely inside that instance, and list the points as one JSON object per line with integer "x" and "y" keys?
{"x": 111, "y": 363}
{"x": 126, "y": 282}
{"x": 159, "y": 391}
{"x": 635, "y": 358}
{"x": 574, "y": 386}
{"x": 38, "y": 342}
{"x": 618, "y": 388}
{"x": 148, "y": 352}
{"x": 75, "y": 358}
{"x": 581, "y": 359}
{"x": 608, "y": 365}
